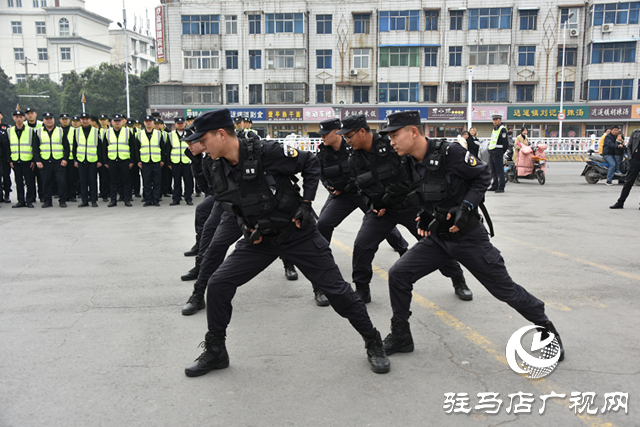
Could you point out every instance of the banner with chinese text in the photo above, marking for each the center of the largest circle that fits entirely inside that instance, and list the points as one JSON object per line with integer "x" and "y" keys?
{"x": 547, "y": 112}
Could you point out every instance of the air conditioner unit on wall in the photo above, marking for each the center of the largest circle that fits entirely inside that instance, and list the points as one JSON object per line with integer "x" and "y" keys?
{"x": 353, "y": 73}
{"x": 607, "y": 28}
{"x": 574, "y": 32}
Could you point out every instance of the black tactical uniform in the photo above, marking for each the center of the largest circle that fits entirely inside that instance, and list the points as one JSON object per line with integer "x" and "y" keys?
{"x": 379, "y": 176}
{"x": 5, "y": 169}
{"x": 51, "y": 158}
{"x": 119, "y": 153}
{"x": 22, "y": 164}
{"x": 450, "y": 180}
{"x": 151, "y": 154}
{"x": 496, "y": 155}
{"x": 259, "y": 191}
{"x": 73, "y": 178}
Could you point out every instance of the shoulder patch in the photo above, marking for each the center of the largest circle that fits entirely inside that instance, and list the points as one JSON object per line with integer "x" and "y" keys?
{"x": 470, "y": 159}
{"x": 290, "y": 151}
{"x": 504, "y": 134}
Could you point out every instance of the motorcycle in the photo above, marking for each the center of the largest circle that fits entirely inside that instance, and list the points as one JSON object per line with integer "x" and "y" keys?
{"x": 596, "y": 168}
{"x": 532, "y": 166}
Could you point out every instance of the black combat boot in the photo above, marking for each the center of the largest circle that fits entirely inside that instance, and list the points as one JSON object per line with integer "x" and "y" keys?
{"x": 321, "y": 298}
{"x": 214, "y": 356}
{"x": 289, "y": 270}
{"x": 363, "y": 292}
{"x": 196, "y": 300}
{"x": 193, "y": 273}
{"x": 400, "y": 339}
{"x": 462, "y": 290}
{"x": 375, "y": 352}
{"x": 195, "y": 248}
{"x": 545, "y": 334}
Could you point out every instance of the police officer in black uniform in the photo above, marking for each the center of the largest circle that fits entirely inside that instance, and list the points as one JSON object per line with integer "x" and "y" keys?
{"x": 70, "y": 170}
{"x": 21, "y": 160}
{"x": 498, "y": 145}
{"x": 51, "y": 153}
{"x": 450, "y": 184}
{"x": 252, "y": 179}
{"x": 5, "y": 169}
{"x": 118, "y": 151}
{"x": 379, "y": 176}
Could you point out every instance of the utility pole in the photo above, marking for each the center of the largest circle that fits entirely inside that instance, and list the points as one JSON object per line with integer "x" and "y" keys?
{"x": 26, "y": 70}
{"x": 126, "y": 53}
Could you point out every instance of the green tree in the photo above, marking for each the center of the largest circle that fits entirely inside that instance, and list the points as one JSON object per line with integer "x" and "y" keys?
{"x": 73, "y": 86}
{"x": 8, "y": 100}
{"x": 41, "y": 86}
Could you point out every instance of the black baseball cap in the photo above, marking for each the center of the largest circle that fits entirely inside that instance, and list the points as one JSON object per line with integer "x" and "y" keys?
{"x": 349, "y": 123}
{"x": 29, "y": 110}
{"x": 178, "y": 120}
{"x": 117, "y": 117}
{"x": 84, "y": 116}
{"x": 157, "y": 120}
{"x": 130, "y": 122}
{"x": 155, "y": 114}
{"x": 103, "y": 117}
{"x": 18, "y": 113}
{"x": 137, "y": 122}
{"x": 48, "y": 116}
{"x": 326, "y": 126}
{"x": 147, "y": 117}
{"x": 238, "y": 119}
{"x": 75, "y": 118}
{"x": 401, "y": 119}
{"x": 64, "y": 116}
{"x": 209, "y": 121}
{"x": 94, "y": 118}
{"x": 247, "y": 119}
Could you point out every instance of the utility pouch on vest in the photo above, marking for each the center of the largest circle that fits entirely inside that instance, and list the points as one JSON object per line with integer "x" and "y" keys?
{"x": 228, "y": 207}
{"x": 332, "y": 171}
{"x": 366, "y": 179}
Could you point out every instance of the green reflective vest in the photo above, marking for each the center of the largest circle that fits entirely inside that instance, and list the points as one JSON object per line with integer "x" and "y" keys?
{"x": 118, "y": 146}
{"x": 71, "y": 136}
{"x": 20, "y": 147}
{"x": 87, "y": 147}
{"x": 494, "y": 137}
{"x": 51, "y": 145}
{"x": 150, "y": 149}
{"x": 177, "y": 149}
{"x": 38, "y": 125}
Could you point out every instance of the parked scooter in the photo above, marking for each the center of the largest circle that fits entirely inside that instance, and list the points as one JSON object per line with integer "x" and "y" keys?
{"x": 596, "y": 168}
{"x": 533, "y": 166}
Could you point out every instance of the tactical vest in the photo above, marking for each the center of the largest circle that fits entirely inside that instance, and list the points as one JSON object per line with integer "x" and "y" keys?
{"x": 335, "y": 168}
{"x": 177, "y": 149}
{"x": 383, "y": 180}
{"x": 494, "y": 137}
{"x": 87, "y": 147}
{"x": 118, "y": 146}
{"x": 51, "y": 145}
{"x": 21, "y": 147}
{"x": 255, "y": 198}
{"x": 150, "y": 149}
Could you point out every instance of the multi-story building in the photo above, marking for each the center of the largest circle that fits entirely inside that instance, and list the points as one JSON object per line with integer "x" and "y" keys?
{"x": 142, "y": 50}
{"x": 50, "y": 38}
{"x": 292, "y": 64}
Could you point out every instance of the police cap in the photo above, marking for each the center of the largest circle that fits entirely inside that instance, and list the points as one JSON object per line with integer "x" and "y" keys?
{"x": 64, "y": 116}
{"x": 84, "y": 116}
{"x": 155, "y": 114}
{"x": 117, "y": 117}
{"x": 103, "y": 117}
{"x": 157, "y": 120}
{"x": 94, "y": 118}
{"x": 326, "y": 126}
{"x": 29, "y": 110}
{"x": 209, "y": 121}
{"x": 148, "y": 118}
{"x": 18, "y": 113}
{"x": 349, "y": 123}
{"x": 401, "y": 119}
{"x": 247, "y": 119}
{"x": 75, "y": 118}
{"x": 178, "y": 120}
{"x": 48, "y": 116}
{"x": 238, "y": 119}
{"x": 497, "y": 116}
{"x": 130, "y": 122}
{"x": 137, "y": 122}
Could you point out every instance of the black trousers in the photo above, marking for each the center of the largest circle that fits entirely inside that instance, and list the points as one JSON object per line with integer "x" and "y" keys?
{"x": 39, "y": 183}
{"x": 220, "y": 231}
{"x": 337, "y": 208}
{"x": 73, "y": 180}
{"x": 166, "y": 179}
{"x": 478, "y": 255}
{"x": 135, "y": 179}
{"x": 496, "y": 162}
{"x": 22, "y": 174}
{"x": 632, "y": 175}
{"x": 309, "y": 251}
{"x": 120, "y": 179}
{"x": 203, "y": 210}
{"x": 151, "y": 182}
{"x": 182, "y": 172}
{"x": 54, "y": 173}
{"x": 105, "y": 181}
{"x": 5, "y": 175}
{"x": 374, "y": 230}
{"x": 88, "y": 181}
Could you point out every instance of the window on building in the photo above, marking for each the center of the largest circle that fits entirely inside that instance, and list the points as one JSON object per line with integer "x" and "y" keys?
{"x": 41, "y": 28}
{"x": 431, "y": 20}
{"x": 430, "y": 93}
{"x": 602, "y": 53}
{"x": 255, "y": 94}
{"x": 18, "y": 53}
{"x": 197, "y": 95}
{"x": 201, "y": 59}
{"x": 399, "y": 56}
{"x": 601, "y": 90}
{"x": 10, "y": 3}
{"x": 454, "y": 92}
{"x": 403, "y": 20}
{"x": 165, "y": 94}
{"x": 490, "y": 92}
{"x": 614, "y": 13}
{"x": 494, "y": 18}
{"x": 361, "y": 23}
{"x": 231, "y": 24}
{"x": 254, "y": 24}
{"x": 323, "y": 94}
{"x": 568, "y": 91}
{"x": 232, "y": 59}
{"x": 21, "y": 78}
{"x": 64, "y": 27}
{"x": 43, "y": 3}
{"x": 564, "y": 16}
{"x": 285, "y": 58}
{"x": 398, "y": 92}
{"x": 284, "y": 23}
{"x": 43, "y": 54}
{"x": 285, "y": 93}
{"x": 361, "y": 94}
{"x": 455, "y": 56}
{"x": 361, "y": 58}
{"x": 526, "y": 56}
{"x": 323, "y": 59}
{"x": 528, "y": 20}
{"x": 233, "y": 94}
{"x": 255, "y": 59}
{"x": 323, "y": 24}
{"x": 16, "y": 27}
{"x": 18, "y": 3}
{"x": 200, "y": 24}
{"x": 489, "y": 54}
{"x": 524, "y": 93}
{"x": 456, "y": 20}
{"x": 65, "y": 54}
{"x": 430, "y": 56}
{"x": 571, "y": 55}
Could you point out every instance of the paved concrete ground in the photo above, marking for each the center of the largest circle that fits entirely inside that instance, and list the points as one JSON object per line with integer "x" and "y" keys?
{"x": 91, "y": 332}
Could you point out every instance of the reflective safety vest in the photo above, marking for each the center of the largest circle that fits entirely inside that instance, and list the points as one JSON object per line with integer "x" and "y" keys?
{"x": 21, "y": 149}
{"x": 87, "y": 147}
{"x": 38, "y": 125}
{"x": 71, "y": 136}
{"x": 177, "y": 149}
{"x": 494, "y": 137}
{"x": 51, "y": 145}
{"x": 118, "y": 146}
{"x": 150, "y": 149}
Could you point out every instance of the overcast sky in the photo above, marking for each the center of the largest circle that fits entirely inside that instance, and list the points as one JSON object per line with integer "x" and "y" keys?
{"x": 112, "y": 9}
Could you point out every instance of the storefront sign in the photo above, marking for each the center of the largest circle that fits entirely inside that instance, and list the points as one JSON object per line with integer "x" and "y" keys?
{"x": 384, "y": 112}
{"x": 160, "y": 53}
{"x": 607, "y": 112}
{"x": 284, "y": 114}
{"x": 318, "y": 114}
{"x": 485, "y": 113}
{"x": 547, "y": 113}
{"x": 168, "y": 114}
{"x": 194, "y": 112}
{"x": 635, "y": 111}
{"x": 369, "y": 113}
{"x": 255, "y": 114}
{"x": 448, "y": 113}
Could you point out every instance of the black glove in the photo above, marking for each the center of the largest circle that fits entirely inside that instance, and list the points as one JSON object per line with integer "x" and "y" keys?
{"x": 460, "y": 214}
{"x": 304, "y": 214}
{"x": 425, "y": 218}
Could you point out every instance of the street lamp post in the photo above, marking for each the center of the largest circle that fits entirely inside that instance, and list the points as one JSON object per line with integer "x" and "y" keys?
{"x": 123, "y": 25}
{"x": 564, "y": 50}
{"x": 469, "y": 99}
